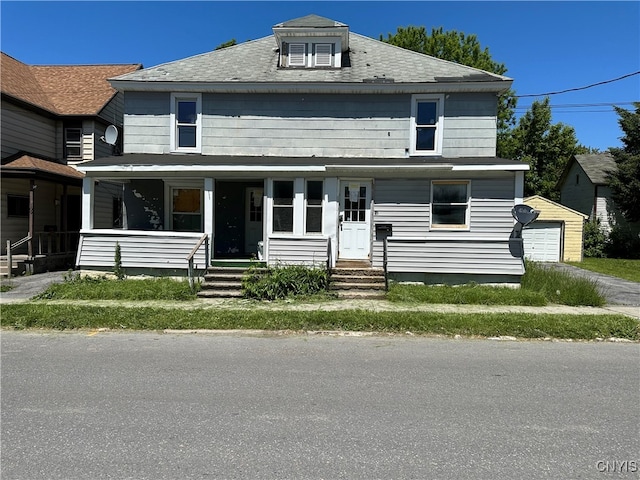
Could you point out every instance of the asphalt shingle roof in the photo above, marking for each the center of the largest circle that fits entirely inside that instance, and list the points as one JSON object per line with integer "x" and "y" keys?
{"x": 28, "y": 163}
{"x": 597, "y": 166}
{"x": 61, "y": 89}
{"x": 257, "y": 62}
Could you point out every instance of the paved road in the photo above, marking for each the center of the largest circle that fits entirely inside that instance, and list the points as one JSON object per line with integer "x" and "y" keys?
{"x": 158, "y": 406}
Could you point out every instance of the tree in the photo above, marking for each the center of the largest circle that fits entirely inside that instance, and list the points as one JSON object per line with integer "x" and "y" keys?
{"x": 546, "y": 147}
{"x": 625, "y": 180}
{"x": 463, "y": 49}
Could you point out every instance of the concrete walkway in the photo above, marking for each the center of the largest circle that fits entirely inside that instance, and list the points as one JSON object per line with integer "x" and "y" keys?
{"x": 26, "y": 287}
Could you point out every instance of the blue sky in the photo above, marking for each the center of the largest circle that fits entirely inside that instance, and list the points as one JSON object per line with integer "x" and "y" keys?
{"x": 546, "y": 46}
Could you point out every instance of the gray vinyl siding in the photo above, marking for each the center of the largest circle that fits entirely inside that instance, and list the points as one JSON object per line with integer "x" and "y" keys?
{"x": 470, "y": 125}
{"x": 577, "y": 192}
{"x": 298, "y": 251}
{"x": 147, "y": 122}
{"x": 139, "y": 250}
{"x": 405, "y": 205}
{"x": 453, "y": 256}
{"x": 105, "y": 192}
{"x": 26, "y": 130}
{"x": 370, "y": 126}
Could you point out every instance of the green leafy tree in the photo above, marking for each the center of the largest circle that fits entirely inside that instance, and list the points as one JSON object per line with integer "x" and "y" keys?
{"x": 625, "y": 180}
{"x": 463, "y": 49}
{"x": 545, "y": 146}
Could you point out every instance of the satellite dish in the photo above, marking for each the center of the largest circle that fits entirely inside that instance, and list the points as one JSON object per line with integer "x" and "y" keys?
{"x": 111, "y": 135}
{"x": 524, "y": 214}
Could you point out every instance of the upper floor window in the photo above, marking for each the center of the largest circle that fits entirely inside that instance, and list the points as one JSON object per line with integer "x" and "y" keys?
{"x": 322, "y": 56}
{"x": 450, "y": 204}
{"x": 427, "y": 124}
{"x": 186, "y": 113}
{"x": 309, "y": 54}
{"x": 297, "y": 54}
{"x": 73, "y": 143}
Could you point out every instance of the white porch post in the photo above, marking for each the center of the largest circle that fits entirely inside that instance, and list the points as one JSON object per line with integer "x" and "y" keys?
{"x": 209, "y": 211}
{"x": 331, "y": 212}
{"x": 88, "y": 191}
{"x": 298, "y": 206}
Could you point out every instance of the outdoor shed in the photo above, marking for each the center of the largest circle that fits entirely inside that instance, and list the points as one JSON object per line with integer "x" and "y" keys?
{"x": 556, "y": 236}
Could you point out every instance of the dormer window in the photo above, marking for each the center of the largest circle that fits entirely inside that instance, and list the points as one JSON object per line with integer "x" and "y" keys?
{"x": 311, "y": 42}
{"x": 322, "y": 57}
{"x": 297, "y": 55}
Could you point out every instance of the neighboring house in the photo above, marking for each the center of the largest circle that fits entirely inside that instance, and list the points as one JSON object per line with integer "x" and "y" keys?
{"x": 311, "y": 146}
{"x": 52, "y": 118}
{"x": 556, "y": 235}
{"x": 583, "y": 187}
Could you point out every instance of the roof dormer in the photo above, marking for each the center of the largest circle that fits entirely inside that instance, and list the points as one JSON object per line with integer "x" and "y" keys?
{"x": 311, "y": 42}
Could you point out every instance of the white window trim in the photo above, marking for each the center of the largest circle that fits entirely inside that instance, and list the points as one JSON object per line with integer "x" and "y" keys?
{"x": 451, "y": 227}
{"x": 321, "y": 206}
{"x": 316, "y": 63}
{"x": 303, "y": 57}
{"x": 175, "y": 98}
{"x": 415, "y": 99}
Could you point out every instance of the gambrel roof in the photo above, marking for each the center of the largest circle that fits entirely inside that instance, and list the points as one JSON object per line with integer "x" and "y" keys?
{"x": 368, "y": 62}
{"x": 61, "y": 89}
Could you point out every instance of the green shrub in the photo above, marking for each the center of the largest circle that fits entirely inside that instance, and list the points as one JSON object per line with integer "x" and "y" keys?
{"x": 281, "y": 282}
{"x": 595, "y": 240}
{"x": 623, "y": 243}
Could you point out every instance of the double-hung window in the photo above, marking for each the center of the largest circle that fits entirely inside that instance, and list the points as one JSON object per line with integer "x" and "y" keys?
{"x": 73, "y": 143}
{"x": 427, "y": 123}
{"x": 450, "y": 201}
{"x": 283, "y": 206}
{"x": 313, "y": 222}
{"x": 186, "y": 117}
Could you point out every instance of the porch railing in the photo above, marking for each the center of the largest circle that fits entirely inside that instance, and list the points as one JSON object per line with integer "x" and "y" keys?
{"x": 46, "y": 243}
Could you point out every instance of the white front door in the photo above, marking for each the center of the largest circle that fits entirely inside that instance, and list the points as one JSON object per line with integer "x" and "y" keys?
{"x": 253, "y": 219}
{"x": 354, "y": 242}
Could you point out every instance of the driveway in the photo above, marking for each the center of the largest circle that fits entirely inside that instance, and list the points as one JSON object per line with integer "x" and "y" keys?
{"x": 26, "y": 286}
{"x": 616, "y": 290}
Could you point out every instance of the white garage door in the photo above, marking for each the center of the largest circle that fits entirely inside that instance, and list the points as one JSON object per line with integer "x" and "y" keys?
{"x": 542, "y": 241}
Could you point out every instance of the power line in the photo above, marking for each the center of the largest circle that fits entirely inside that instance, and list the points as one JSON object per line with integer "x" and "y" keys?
{"x": 604, "y": 107}
{"x": 580, "y": 88}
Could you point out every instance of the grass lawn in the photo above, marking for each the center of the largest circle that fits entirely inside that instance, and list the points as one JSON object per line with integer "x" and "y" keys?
{"x": 616, "y": 267}
{"x": 522, "y": 325}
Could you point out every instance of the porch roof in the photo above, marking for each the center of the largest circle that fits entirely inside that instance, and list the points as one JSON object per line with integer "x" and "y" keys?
{"x": 199, "y": 164}
{"x": 29, "y": 166}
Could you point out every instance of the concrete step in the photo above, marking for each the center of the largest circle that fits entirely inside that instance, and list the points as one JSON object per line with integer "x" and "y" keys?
{"x": 220, "y": 293}
{"x": 361, "y": 294}
{"x": 357, "y": 286}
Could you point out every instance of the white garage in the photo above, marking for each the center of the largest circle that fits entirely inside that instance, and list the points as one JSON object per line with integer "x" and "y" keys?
{"x": 542, "y": 241}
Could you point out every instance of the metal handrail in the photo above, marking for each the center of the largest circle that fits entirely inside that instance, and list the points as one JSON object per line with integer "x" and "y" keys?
{"x": 203, "y": 239}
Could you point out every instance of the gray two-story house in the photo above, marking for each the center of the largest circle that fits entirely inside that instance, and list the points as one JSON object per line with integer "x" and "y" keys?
{"x": 311, "y": 146}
